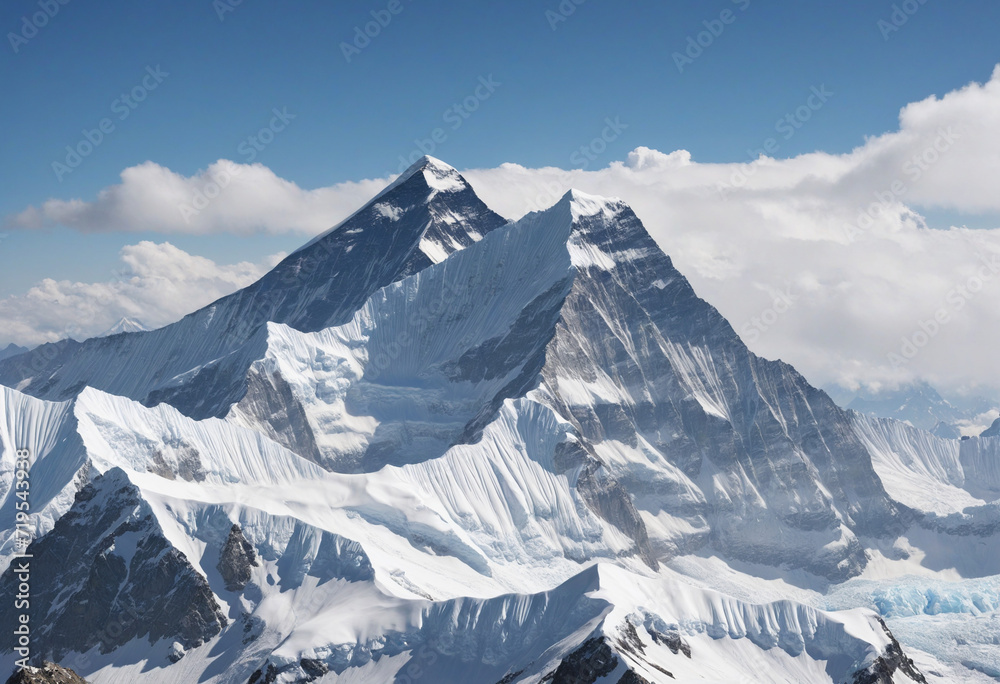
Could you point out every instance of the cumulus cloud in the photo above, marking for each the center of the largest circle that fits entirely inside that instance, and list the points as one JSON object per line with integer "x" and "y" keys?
{"x": 157, "y": 284}
{"x": 823, "y": 260}
{"x": 224, "y": 198}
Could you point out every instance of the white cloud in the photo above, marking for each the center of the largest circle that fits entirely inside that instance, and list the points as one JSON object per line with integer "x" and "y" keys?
{"x": 224, "y": 198}
{"x": 158, "y": 284}
{"x": 822, "y": 260}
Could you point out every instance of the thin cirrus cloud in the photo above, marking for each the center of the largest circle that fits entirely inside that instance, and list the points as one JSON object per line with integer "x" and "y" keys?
{"x": 822, "y": 260}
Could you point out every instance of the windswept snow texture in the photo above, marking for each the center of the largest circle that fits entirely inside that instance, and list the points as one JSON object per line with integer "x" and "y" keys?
{"x": 432, "y": 447}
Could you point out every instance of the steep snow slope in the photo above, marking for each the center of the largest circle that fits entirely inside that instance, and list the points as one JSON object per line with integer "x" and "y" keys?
{"x": 296, "y": 602}
{"x": 715, "y": 444}
{"x": 577, "y": 308}
{"x": 918, "y": 469}
{"x": 409, "y": 375}
{"x": 48, "y": 431}
{"x": 980, "y": 459}
{"x": 71, "y": 442}
{"x": 199, "y": 363}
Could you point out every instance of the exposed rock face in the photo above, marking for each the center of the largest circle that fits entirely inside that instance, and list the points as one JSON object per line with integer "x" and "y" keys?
{"x": 593, "y": 660}
{"x": 270, "y": 405}
{"x": 631, "y": 677}
{"x": 112, "y": 576}
{"x": 236, "y": 559}
{"x": 306, "y": 670}
{"x": 688, "y": 393}
{"x": 671, "y": 640}
{"x": 610, "y": 500}
{"x": 886, "y": 665}
{"x": 48, "y": 673}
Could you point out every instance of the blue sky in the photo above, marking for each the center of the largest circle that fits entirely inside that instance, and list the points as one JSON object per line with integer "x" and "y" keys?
{"x": 354, "y": 119}
{"x": 213, "y": 74}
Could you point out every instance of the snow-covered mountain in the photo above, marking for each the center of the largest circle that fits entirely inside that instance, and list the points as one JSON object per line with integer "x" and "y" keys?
{"x": 125, "y": 325}
{"x": 198, "y": 364}
{"x": 922, "y": 406}
{"x": 11, "y": 350}
{"x": 433, "y": 446}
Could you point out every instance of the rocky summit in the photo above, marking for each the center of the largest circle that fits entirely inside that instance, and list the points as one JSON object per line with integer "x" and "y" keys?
{"x": 47, "y": 673}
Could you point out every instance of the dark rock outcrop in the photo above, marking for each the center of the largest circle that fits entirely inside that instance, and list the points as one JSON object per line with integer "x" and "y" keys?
{"x": 236, "y": 559}
{"x": 886, "y": 665}
{"x": 631, "y": 677}
{"x": 593, "y": 660}
{"x": 673, "y": 641}
{"x": 48, "y": 673}
{"x": 106, "y": 574}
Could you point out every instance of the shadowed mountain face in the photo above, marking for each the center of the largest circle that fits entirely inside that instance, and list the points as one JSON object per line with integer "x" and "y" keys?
{"x": 11, "y": 350}
{"x": 198, "y": 364}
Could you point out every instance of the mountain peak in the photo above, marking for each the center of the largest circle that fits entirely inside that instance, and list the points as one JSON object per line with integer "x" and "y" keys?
{"x": 428, "y": 171}
{"x": 584, "y": 205}
{"x": 993, "y": 430}
{"x": 12, "y": 350}
{"x": 440, "y": 177}
{"x": 125, "y": 325}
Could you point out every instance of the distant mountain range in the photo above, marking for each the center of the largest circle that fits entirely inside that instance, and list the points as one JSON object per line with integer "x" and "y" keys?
{"x": 922, "y": 406}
